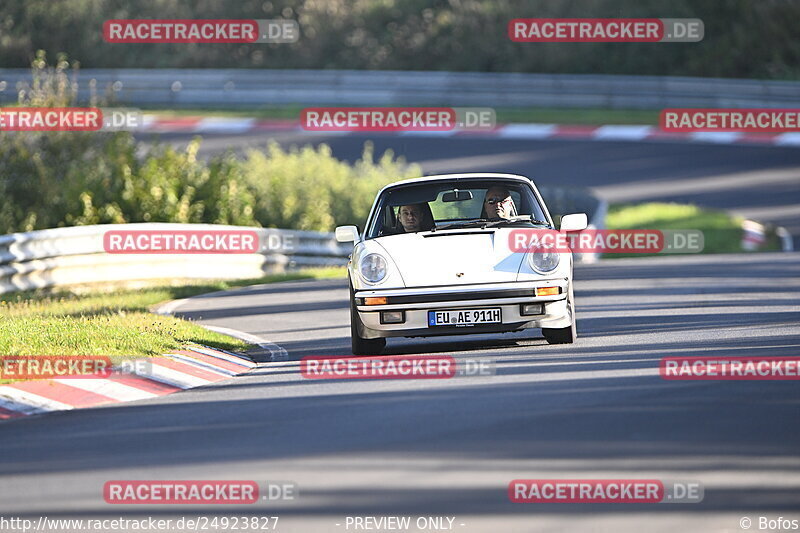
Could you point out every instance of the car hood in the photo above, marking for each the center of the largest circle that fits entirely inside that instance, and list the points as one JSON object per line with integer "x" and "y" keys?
{"x": 451, "y": 257}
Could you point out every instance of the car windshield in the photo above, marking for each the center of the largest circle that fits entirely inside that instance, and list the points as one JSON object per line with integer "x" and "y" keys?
{"x": 439, "y": 205}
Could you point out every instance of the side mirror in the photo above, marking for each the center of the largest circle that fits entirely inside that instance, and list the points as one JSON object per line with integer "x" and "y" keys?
{"x": 574, "y": 222}
{"x": 348, "y": 234}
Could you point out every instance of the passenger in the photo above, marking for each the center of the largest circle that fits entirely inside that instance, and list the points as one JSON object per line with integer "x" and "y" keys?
{"x": 414, "y": 217}
{"x": 498, "y": 204}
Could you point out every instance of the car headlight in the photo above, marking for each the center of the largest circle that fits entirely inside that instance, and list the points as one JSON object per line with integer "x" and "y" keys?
{"x": 544, "y": 259}
{"x": 373, "y": 268}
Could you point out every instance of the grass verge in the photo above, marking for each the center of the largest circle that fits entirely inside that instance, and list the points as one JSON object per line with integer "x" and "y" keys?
{"x": 722, "y": 232}
{"x": 115, "y": 323}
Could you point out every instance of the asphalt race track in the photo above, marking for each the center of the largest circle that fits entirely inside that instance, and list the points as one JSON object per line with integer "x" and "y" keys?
{"x": 449, "y": 448}
{"x": 595, "y": 409}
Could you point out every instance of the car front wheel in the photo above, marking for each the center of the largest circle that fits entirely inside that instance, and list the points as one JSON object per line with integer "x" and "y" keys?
{"x": 359, "y": 345}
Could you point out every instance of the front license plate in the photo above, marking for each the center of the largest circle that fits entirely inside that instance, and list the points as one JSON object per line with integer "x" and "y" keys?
{"x": 465, "y": 317}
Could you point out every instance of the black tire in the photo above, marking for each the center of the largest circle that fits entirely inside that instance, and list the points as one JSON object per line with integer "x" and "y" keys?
{"x": 564, "y": 335}
{"x": 358, "y": 345}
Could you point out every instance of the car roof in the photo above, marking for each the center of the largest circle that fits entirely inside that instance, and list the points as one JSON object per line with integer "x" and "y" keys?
{"x": 468, "y": 175}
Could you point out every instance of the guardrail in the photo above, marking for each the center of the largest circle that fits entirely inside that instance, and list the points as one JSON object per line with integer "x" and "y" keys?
{"x": 76, "y": 255}
{"x": 176, "y": 88}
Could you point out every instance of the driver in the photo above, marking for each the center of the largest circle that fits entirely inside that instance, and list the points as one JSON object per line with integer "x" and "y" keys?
{"x": 498, "y": 204}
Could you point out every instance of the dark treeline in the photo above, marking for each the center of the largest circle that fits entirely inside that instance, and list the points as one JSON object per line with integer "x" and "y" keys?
{"x": 743, "y": 38}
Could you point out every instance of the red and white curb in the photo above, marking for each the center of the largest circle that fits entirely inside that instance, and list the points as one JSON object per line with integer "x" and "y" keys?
{"x": 611, "y": 132}
{"x": 183, "y": 369}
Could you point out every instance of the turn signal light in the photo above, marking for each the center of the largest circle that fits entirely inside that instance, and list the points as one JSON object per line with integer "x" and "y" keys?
{"x": 548, "y": 291}
{"x": 375, "y": 300}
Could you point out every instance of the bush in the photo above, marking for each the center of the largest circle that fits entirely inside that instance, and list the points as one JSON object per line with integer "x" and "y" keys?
{"x": 55, "y": 179}
{"x": 62, "y": 179}
{"x": 309, "y": 189}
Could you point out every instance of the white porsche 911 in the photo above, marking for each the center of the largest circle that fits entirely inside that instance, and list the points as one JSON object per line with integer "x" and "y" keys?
{"x": 434, "y": 259}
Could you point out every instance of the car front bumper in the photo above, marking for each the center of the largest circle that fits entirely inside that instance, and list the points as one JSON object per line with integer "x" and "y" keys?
{"x": 415, "y": 304}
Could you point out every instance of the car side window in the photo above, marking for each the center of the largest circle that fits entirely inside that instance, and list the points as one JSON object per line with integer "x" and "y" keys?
{"x": 388, "y": 221}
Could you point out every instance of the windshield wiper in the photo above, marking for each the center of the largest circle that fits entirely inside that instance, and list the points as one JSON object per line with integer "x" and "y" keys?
{"x": 461, "y": 223}
{"x": 514, "y": 220}
{"x": 492, "y": 223}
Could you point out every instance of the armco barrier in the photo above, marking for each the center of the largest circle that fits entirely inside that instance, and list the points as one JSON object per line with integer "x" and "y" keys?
{"x": 177, "y": 88}
{"x": 75, "y": 255}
